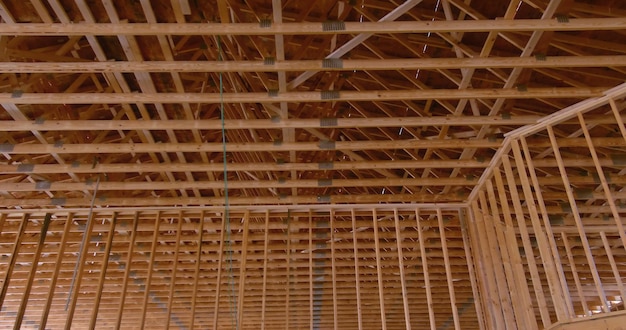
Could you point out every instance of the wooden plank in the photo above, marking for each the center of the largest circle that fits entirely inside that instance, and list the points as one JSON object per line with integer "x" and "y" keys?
{"x": 310, "y": 28}
{"x": 405, "y": 293}
{"x": 172, "y": 284}
{"x": 618, "y": 118}
{"x": 603, "y": 180}
{"x": 469, "y": 256}
{"x": 242, "y": 269}
{"x": 545, "y": 252}
{"x": 310, "y": 264}
{"x": 449, "y": 279}
{"x": 265, "y": 261}
{"x": 218, "y": 279}
{"x": 302, "y": 183}
{"x": 547, "y": 227}
{"x": 196, "y": 277}
{"x": 55, "y": 274}
{"x": 357, "y": 271}
{"x": 530, "y": 258}
{"x": 105, "y": 148}
{"x": 33, "y": 271}
{"x": 572, "y": 264}
{"x": 489, "y": 286}
{"x": 103, "y": 271}
{"x": 616, "y": 273}
{"x": 578, "y": 220}
{"x": 153, "y": 246}
{"x": 379, "y": 272}
{"x": 486, "y": 226}
{"x": 209, "y": 124}
{"x": 294, "y": 96}
{"x": 424, "y": 259}
{"x": 74, "y": 291}
{"x": 524, "y": 301}
{"x": 127, "y": 264}
{"x": 260, "y": 166}
{"x": 333, "y": 270}
{"x": 317, "y": 65}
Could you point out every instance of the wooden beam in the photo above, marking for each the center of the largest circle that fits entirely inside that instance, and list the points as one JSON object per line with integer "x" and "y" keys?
{"x": 33, "y": 271}
{"x": 242, "y": 269}
{"x": 379, "y": 272}
{"x": 234, "y": 167}
{"x": 55, "y": 273}
{"x": 579, "y": 224}
{"x": 160, "y": 185}
{"x": 196, "y": 277}
{"x": 153, "y": 247}
{"x": 449, "y": 279}
{"x": 106, "y": 148}
{"x": 174, "y": 270}
{"x": 103, "y": 272}
{"x": 424, "y": 199}
{"x": 100, "y": 125}
{"x": 127, "y": 266}
{"x": 317, "y": 65}
{"x": 357, "y": 271}
{"x": 308, "y": 28}
{"x": 405, "y": 293}
{"x": 293, "y": 96}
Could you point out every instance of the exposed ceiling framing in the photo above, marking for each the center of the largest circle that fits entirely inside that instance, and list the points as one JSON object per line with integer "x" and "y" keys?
{"x": 244, "y": 163}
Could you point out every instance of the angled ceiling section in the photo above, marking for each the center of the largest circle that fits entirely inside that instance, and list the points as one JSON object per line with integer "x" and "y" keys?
{"x": 323, "y": 101}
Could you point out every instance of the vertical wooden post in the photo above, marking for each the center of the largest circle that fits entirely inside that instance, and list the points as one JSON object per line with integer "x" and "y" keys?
{"x": 530, "y": 255}
{"x": 218, "y": 280}
{"x": 333, "y": 270}
{"x": 572, "y": 266}
{"x": 196, "y": 277}
{"x": 129, "y": 260}
{"x": 311, "y": 311}
{"x": 103, "y": 271}
{"x": 55, "y": 274}
{"x": 265, "y": 252}
{"x": 551, "y": 271}
{"x": 578, "y": 220}
{"x": 379, "y": 272}
{"x": 405, "y": 293}
{"x": 486, "y": 270}
{"x": 170, "y": 300}
{"x": 146, "y": 293}
{"x": 242, "y": 268}
{"x": 429, "y": 295}
{"x": 470, "y": 268}
{"x": 357, "y": 270}
{"x": 547, "y": 227}
{"x": 603, "y": 180}
{"x": 446, "y": 259}
{"x": 33, "y": 272}
{"x": 616, "y": 273}
{"x": 486, "y": 226}
{"x": 504, "y": 247}
{"x": 524, "y": 301}
{"x": 16, "y": 248}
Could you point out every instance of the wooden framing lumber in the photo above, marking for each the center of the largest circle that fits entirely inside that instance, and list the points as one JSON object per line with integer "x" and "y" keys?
{"x": 344, "y": 95}
{"x": 304, "y": 28}
{"x": 317, "y": 65}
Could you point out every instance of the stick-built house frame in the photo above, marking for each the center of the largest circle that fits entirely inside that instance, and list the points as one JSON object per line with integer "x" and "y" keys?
{"x": 418, "y": 164}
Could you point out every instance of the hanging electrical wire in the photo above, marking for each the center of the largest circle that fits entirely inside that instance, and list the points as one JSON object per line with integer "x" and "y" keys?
{"x": 229, "y": 249}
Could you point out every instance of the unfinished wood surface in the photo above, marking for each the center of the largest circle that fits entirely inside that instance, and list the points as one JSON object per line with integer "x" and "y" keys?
{"x": 414, "y": 164}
